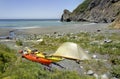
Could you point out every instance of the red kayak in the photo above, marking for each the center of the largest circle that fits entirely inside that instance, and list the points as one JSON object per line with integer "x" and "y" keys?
{"x": 41, "y": 60}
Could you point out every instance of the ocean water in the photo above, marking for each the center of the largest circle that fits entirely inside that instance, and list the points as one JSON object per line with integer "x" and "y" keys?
{"x": 32, "y": 23}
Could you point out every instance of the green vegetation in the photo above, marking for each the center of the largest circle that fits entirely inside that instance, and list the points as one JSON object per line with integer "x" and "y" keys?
{"x": 96, "y": 66}
{"x": 14, "y": 67}
{"x": 92, "y": 42}
{"x": 115, "y": 60}
{"x": 95, "y": 43}
{"x": 19, "y": 43}
{"x": 7, "y": 56}
{"x": 82, "y": 7}
{"x": 115, "y": 71}
{"x": 31, "y": 70}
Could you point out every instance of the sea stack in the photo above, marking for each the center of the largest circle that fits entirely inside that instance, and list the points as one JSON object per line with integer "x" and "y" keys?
{"x": 66, "y": 16}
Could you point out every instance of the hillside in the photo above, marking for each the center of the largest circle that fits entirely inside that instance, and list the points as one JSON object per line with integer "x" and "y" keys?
{"x": 116, "y": 23}
{"x": 99, "y": 11}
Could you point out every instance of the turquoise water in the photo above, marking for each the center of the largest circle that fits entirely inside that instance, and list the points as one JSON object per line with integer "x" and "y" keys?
{"x": 31, "y": 23}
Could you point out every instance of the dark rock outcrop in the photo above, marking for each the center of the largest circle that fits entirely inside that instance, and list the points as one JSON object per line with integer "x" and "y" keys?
{"x": 100, "y": 11}
{"x": 66, "y": 16}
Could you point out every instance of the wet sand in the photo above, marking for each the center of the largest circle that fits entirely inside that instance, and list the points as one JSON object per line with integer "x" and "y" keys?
{"x": 67, "y": 29}
{"x": 62, "y": 29}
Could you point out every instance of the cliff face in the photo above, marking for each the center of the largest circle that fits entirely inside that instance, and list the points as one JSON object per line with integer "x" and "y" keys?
{"x": 104, "y": 11}
{"x": 116, "y": 23}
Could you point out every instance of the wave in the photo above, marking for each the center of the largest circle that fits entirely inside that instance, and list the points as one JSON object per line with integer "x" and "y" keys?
{"x": 28, "y": 27}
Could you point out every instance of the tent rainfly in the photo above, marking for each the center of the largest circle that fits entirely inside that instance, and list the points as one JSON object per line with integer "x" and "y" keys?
{"x": 72, "y": 51}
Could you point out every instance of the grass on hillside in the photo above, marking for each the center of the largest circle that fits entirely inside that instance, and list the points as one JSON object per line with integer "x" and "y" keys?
{"x": 14, "y": 67}
{"x": 82, "y": 7}
{"x": 94, "y": 43}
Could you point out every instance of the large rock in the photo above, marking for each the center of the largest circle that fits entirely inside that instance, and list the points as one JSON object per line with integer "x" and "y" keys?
{"x": 66, "y": 16}
{"x": 100, "y": 11}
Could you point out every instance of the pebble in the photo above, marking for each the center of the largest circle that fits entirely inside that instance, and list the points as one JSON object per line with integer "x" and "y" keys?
{"x": 90, "y": 72}
{"x": 40, "y": 40}
{"x": 104, "y": 76}
{"x": 94, "y": 56}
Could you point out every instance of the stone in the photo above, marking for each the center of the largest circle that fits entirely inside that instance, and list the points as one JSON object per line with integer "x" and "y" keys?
{"x": 114, "y": 78}
{"x": 66, "y": 16}
{"x": 107, "y": 41}
{"x": 90, "y": 72}
{"x": 104, "y": 76}
{"x": 96, "y": 76}
{"x": 40, "y": 40}
{"x": 94, "y": 56}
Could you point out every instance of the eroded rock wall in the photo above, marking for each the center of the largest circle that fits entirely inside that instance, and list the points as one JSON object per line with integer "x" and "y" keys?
{"x": 100, "y": 11}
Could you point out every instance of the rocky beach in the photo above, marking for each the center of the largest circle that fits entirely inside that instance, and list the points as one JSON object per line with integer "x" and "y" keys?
{"x": 82, "y": 44}
{"x": 39, "y": 38}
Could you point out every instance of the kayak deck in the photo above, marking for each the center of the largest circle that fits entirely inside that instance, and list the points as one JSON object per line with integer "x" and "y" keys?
{"x": 33, "y": 58}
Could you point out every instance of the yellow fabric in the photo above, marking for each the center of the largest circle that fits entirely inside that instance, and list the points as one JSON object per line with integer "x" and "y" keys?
{"x": 40, "y": 55}
{"x": 71, "y": 50}
{"x": 55, "y": 59}
{"x": 28, "y": 50}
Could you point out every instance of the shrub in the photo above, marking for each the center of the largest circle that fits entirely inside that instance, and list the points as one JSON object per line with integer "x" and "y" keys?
{"x": 6, "y": 57}
{"x": 115, "y": 71}
{"x": 82, "y": 7}
{"x": 19, "y": 42}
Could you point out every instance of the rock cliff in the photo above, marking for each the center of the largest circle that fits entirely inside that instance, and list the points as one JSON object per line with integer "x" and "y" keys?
{"x": 100, "y": 11}
{"x": 116, "y": 23}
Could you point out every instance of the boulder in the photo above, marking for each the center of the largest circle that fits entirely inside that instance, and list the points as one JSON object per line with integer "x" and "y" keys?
{"x": 66, "y": 16}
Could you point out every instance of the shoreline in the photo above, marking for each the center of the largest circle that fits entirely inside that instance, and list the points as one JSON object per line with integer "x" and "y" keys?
{"x": 74, "y": 28}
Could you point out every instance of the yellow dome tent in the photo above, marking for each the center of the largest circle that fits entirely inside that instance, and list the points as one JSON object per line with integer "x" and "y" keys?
{"x": 72, "y": 51}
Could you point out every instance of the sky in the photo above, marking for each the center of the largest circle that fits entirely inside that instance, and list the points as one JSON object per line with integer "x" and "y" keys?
{"x": 35, "y": 9}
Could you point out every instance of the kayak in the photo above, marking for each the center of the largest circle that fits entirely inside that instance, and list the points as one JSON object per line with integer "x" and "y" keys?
{"x": 33, "y": 58}
{"x": 40, "y": 55}
{"x": 54, "y": 59}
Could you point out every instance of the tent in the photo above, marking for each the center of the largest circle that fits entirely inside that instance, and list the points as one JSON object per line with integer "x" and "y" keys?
{"x": 72, "y": 51}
